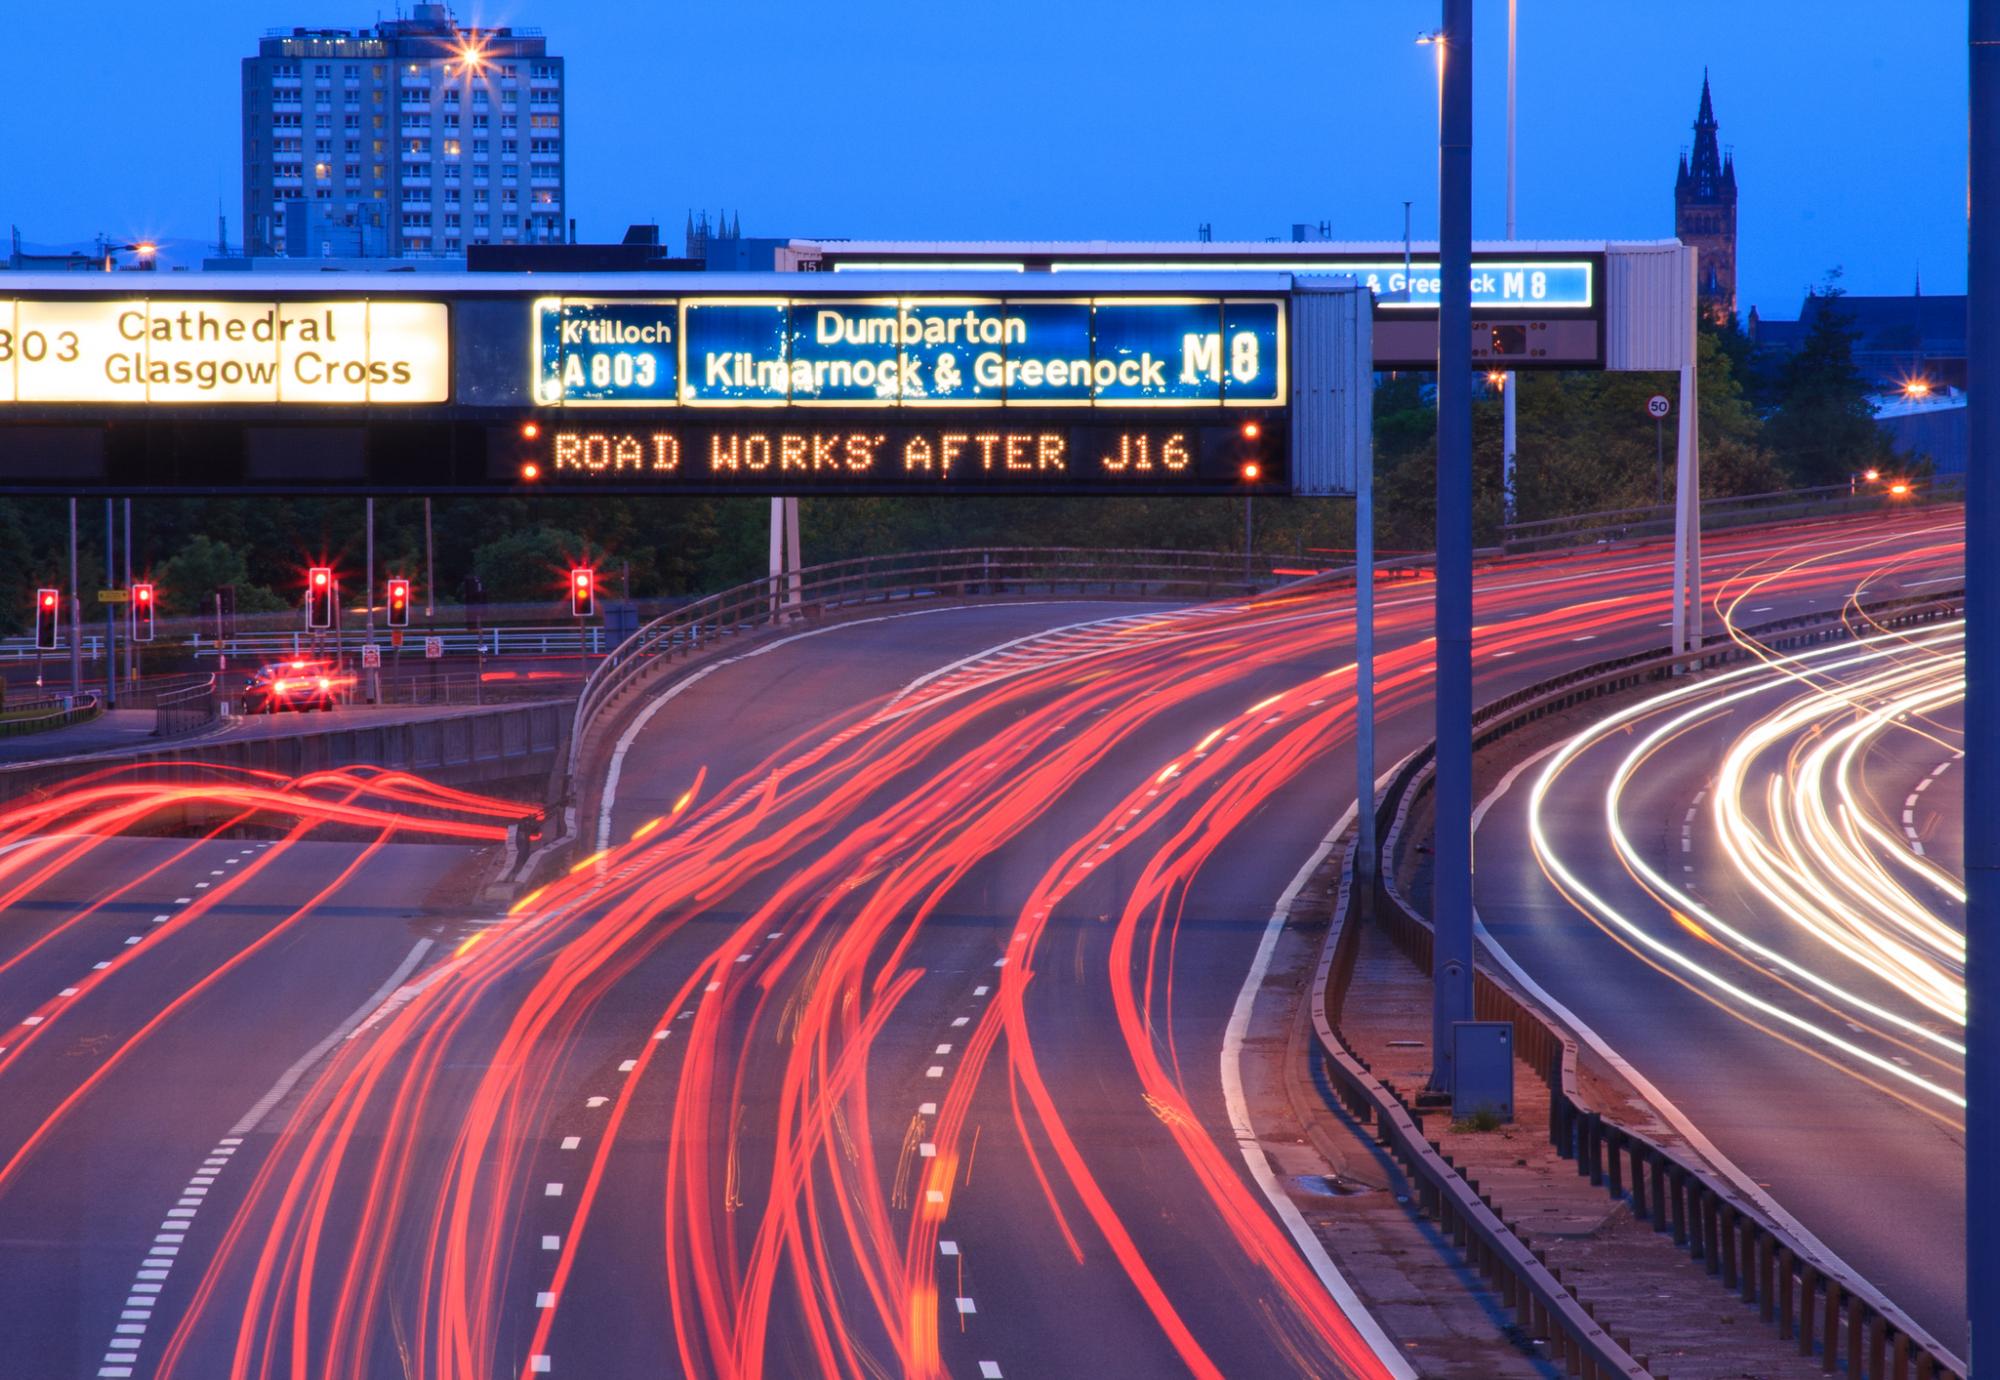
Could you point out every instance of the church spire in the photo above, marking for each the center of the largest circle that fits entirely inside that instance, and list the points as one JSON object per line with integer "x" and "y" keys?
{"x": 1706, "y": 170}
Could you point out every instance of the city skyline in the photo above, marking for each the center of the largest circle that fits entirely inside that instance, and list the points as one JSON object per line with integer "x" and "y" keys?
{"x": 655, "y": 129}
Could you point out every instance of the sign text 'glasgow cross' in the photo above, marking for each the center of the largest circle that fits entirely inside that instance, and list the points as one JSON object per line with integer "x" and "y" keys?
{"x": 1190, "y": 384}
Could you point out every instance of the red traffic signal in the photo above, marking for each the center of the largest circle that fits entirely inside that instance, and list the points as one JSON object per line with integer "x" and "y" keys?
{"x": 399, "y": 603}
{"x": 583, "y": 592}
{"x": 319, "y": 597}
{"x": 48, "y": 618}
{"x": 142, "y": 613}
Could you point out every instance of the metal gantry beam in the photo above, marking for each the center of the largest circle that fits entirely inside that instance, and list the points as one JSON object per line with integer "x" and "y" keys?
{"x": 1452, "y": 885}
{"x": 1982, "y": 690}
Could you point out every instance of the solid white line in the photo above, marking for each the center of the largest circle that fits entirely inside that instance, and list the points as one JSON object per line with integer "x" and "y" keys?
{"x": 286, "y": 1080}
{"x": 1658, "y": 1100}
{"x": 1252, "y": 1149}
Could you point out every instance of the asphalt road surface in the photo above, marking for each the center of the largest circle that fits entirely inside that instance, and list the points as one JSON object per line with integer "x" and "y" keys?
{"x": 1777, "y": 943}
{"x": 885, "y": 1036}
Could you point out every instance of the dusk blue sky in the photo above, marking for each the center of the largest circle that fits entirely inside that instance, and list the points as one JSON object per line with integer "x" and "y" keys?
{"x": 1088, "y": 119}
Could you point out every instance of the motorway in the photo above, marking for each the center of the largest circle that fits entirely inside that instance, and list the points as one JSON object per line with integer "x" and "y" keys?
{"x": 1762, "y": 866}
{"x": 880, "y": 1031}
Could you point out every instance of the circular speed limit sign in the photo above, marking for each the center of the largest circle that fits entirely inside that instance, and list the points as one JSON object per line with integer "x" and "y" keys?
{"x": 1657, "y": 406}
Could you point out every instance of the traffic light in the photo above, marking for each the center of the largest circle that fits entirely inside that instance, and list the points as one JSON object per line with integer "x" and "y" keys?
{"x": 319, "y": 598}
{"x": 583, "y": 592}
{"x": 48, "y": 618}
{"x": 142, "y": 613}
{"x": 399, "y": 603}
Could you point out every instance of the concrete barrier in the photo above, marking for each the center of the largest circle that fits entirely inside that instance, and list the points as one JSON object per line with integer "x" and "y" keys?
{"x": 520, "y": 746}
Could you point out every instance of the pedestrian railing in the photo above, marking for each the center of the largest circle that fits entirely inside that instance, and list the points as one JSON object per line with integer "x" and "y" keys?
{"x": 187, "y": 709}
{"x": 1831, "y": 1314}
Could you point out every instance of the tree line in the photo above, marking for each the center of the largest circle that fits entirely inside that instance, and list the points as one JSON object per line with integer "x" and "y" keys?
{"x": 1584, "y": 444}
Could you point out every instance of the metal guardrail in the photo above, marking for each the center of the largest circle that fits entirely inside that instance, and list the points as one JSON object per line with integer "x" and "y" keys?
{"x": 1543, "y": 1307}
{"x": 1842, "y": 1319}
{"x": 815, "y": 592}
{"x": 53, "y": 711}
{"x": 187, "y": 709}
{"x": 1657, "y": 520}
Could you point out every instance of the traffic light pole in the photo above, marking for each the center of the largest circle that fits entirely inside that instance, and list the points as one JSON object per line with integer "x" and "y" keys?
{"x": 132, "y": 640}
{"x": 1451, "y": 887}
{"x": 371, "y": 674}
{"x": 1982, "y": 691}
{"x": 110, "y": 616}
{"x": 75, "y": 613}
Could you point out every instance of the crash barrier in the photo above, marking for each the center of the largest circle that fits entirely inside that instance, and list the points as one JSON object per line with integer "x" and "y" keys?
{"x": 817, "y": 593}
{"x": 1738, "y": 510}
{"x": 40, "y": 713}
{"x": 521, "y": 742}
{"x": 1545, "y": 1310}
{"x": 1837, "y": 1317}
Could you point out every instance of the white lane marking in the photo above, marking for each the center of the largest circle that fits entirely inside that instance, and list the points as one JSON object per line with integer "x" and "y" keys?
{"x": 551, "y": 1243}
{"x": 927, "y": 1108}
{"x": 167, "y": 1245}
{"x": 552, "y": 1190}
{"x": 539, "y": 1364}
{"x": 290, "y": 1077}
{"x": 934, "y": 1071}
{"x": 947, "y": 1248}
{"x": 627, "y": 1065}
{"x": 989, "y": 1370}
{"x": 571, "y": 1142}
{"x": 967, "y": 1306}
{"x": 1254, "y": 1159}
{"x": 1940, "y": 580}
{"x": 701, "y": 673}
{"x": 545, "y": 1299}
{"x": 1658, "y": 1100}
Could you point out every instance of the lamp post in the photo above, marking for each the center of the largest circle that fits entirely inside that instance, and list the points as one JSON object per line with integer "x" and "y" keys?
{"x": 1451, "y": 968}
{"x": 1507, "y": 398}
{"x": 1982, "y": 685}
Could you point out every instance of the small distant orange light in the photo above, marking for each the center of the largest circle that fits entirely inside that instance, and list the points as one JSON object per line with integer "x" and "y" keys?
{"x": 1872, "y": 475}
{"x": 530, "y": 430}
{"x": 1252, "y": 430}
{"x": 1900, "y": 489}
{"x": 531, "y": 471}
{"x": 1252, "y": 471}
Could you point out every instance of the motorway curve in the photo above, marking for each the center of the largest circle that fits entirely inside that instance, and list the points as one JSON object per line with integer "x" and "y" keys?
{"x": 1747, "y": 884}
{"x": 884, "y": 1035}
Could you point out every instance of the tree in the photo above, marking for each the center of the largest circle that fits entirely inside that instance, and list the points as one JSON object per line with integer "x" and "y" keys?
{"x": 189, "y": 579}
{"x": 531, "y": 564}
{"x": 1823, "y": 430}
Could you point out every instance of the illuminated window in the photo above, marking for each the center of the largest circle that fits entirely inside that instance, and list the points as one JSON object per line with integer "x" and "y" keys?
{"x": 451, "y": 148}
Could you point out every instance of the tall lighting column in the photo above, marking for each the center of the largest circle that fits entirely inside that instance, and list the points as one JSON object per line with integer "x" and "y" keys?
{"x": 1451, "y": 968}
{"x": 1982, "y": 691}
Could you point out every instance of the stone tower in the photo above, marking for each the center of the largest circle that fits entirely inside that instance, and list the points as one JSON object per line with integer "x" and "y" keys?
{"x": 1705, "y": 213}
